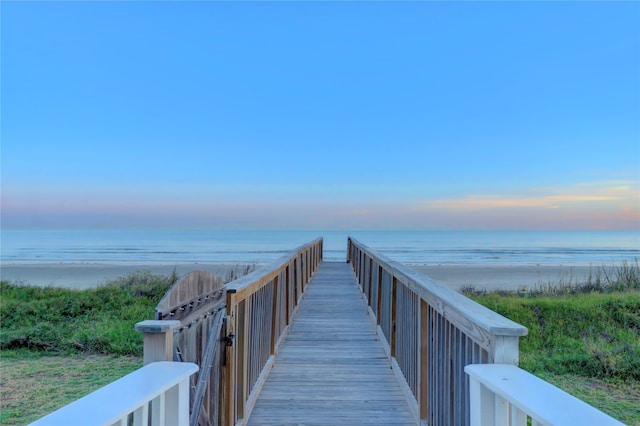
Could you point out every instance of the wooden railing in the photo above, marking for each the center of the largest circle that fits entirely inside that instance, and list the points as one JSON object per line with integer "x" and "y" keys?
{"x": 231, "y": 331}
{"x": 194, "y": 310}
{"x": 156, "y": 394}
{"x": 235, "y": 352}
{"x": 259, "y": 310}
{"x": 431, "y": 333}
{"x": 508, "y": 395}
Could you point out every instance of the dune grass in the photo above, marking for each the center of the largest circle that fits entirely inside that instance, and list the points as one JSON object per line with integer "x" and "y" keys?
{"x": 584, "y": 337}
{"x": 66, "y": 321}
{"x": 57, "y": 345}
{"x": 621, "y": 277}
{"x": 590, "y": 334}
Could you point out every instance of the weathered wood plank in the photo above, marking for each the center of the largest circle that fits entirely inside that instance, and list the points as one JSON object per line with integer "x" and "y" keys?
{"x": 331, "y": 368}
{"x": 192, "y": 293}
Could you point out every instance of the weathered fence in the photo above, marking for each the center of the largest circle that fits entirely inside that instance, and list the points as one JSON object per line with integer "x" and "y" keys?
{"x": 431, "y": 333}
{"x": 231, "y": 331}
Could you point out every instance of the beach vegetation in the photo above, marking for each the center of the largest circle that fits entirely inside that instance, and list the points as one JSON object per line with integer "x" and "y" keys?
{"x": 238, "y": 271}
{"x": 621, "y": 277}
{"x": 58, "y": 344}
{"x": 584, "y": 337}
{"x": 587, "y": 344}
{"x": 64, "y": 321}
{"x": 593, "y": 335}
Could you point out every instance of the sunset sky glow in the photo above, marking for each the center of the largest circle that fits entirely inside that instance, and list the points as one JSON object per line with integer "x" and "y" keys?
{"x": 321, "y": 115}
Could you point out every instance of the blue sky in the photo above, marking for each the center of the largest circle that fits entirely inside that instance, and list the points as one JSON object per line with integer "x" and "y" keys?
{"x": 321, "y": 115}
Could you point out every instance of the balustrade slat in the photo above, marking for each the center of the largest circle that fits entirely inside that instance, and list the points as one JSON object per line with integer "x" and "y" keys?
{"x": 432, "y": 332}
{"x": 261, "y": 306}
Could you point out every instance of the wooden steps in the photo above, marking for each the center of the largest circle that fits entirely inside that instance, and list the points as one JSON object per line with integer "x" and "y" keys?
{"x": 331, "y": 368}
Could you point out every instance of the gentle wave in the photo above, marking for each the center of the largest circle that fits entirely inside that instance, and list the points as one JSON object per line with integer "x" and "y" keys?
{"x": 427, "y": 247}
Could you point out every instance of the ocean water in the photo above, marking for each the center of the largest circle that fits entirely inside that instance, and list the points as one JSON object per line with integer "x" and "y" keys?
{"x": 165, "y": 247}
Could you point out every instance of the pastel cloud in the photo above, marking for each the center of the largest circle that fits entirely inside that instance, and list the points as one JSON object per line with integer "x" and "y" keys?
{"x": 592, "y": 205}
{"x": 592, "y": 193}
{"x": 595, "y": 205}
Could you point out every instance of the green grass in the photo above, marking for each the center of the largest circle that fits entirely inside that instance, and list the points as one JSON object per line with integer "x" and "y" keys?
{"x": 57, "y": 345}
{"x": 583, "y": 337}
{"x": 94, "y": 321}
{"x": 619, "y": 399}
{"x": 590, "y": 334}
{"x": 33, "y": 385}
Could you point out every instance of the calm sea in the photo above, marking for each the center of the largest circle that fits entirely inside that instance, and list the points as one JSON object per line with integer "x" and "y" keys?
{"x": 413, "y": 247}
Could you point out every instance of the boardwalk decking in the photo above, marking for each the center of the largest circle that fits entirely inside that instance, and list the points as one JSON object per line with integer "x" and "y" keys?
{"x": 331, "y": 368}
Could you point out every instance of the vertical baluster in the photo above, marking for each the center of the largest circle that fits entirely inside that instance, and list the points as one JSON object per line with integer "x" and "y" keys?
{"x": 501, "y": 405}
{"x": 423, "y": 399}
{"x": 484, "y": 406}
{"x": 518, "y": 417}
{"x": 158, "y": 410}
{"x": 141, "y": 416}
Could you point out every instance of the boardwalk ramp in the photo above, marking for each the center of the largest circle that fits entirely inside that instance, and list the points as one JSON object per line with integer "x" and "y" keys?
{"x": 331, "y": 368}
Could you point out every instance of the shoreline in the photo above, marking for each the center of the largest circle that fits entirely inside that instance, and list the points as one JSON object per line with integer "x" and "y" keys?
{"x": 504, "y": 277}
{"x": 84, "y": 275}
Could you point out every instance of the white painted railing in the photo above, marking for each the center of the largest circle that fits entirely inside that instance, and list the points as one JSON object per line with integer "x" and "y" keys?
{"x": 158, "y": 392}
{"x": 504, "y": 394}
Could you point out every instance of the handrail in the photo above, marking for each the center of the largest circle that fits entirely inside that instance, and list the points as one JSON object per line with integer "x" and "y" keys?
{"x": 163, "y": 385}
{"x": 260, "y": 306}
{"x": 234, "y": 356}
{"x": 431, "y": 333}
{"x": 506, "y": 394}
{"x": 459, "y": 309}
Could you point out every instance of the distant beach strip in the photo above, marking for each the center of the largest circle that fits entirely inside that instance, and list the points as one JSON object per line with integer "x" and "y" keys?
{"x": 489, "y": 277}
{"x": 483, "y": 259}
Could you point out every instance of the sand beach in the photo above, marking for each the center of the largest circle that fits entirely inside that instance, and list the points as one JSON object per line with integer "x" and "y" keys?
{"x": 483, "y": 276}
{"x": 89, "y": 275}
{"x": 485, "y": 260}
{"x": 502, "y": 277}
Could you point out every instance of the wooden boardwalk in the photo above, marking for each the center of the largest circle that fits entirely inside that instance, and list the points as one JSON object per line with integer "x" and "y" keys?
{"x": 331, "y": 368}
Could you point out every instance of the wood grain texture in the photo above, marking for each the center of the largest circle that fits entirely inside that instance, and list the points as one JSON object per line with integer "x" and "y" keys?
{"x": 331, "y": 368}
{"x": 191, "y": 292}
{"x": 475, "y": 320}
{"x": 432, "y": 333}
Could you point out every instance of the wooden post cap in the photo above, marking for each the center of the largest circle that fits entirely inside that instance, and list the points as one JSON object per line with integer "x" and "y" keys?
{"x": 157, "y": 326}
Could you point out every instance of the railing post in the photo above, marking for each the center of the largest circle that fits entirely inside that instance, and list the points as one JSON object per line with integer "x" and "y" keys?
{"x": 275, "y": 314}
{"x": 158, "y": 339}
{"x": 504, "y": 350}
{"x": 230, "y": 379}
